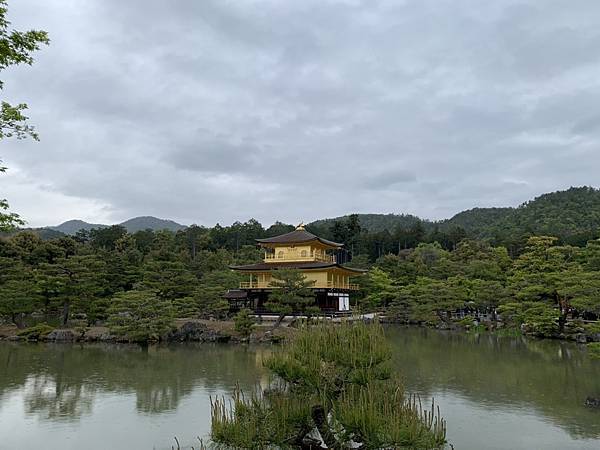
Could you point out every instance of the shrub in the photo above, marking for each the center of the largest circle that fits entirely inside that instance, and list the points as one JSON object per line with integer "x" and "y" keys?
{"x": 36, "y": 332}
{"x": 594, "y": 349}
{"x": 244, "y": 322}
{"x": 140, "y": 316}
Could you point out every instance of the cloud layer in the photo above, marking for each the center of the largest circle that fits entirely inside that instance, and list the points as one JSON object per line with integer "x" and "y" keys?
{"x": 217, "y": 111}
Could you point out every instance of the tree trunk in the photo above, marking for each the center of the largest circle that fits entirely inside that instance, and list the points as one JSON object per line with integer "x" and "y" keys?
{"x": 279, "y": 320}
{"x": 564, "y": 312}
{"x": 443, "y": 316}
{"x": 319, "y": 417}
{"x": 65, "y": 313}
{"x": 46, "y": 308}
{"x": 17, "y": 319}
{"x": 494, "y": 319}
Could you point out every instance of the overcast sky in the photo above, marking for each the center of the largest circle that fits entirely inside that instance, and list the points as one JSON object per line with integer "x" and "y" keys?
{"x": 213, "y": 111}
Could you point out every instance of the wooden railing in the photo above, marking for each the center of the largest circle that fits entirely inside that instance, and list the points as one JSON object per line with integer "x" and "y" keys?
{"x": 329, "y": 285}
{"x": 294, "y": 258}
{"x": 349, "y": 286}
{"x": 254, "y": 285}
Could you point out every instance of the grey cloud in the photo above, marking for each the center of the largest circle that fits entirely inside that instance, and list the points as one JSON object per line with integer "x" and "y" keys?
{"x": 219, "y": 111}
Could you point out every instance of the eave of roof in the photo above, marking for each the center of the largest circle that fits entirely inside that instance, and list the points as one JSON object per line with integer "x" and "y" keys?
{"x": 294, "y": 265}
{"x": 297, "y": 236}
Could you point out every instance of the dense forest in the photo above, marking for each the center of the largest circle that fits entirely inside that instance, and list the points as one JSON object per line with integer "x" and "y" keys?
{"x": 550, "y": 286}
{"x": 536, "y": 266}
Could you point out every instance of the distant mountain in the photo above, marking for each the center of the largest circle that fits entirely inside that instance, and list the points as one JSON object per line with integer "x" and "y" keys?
{"x": 152, "y": 223}
{"x": 478, "y": 222}
{"x": 572, "y": 215}
{"x": 71, "y": 227}
{"x": 378, "y": 222}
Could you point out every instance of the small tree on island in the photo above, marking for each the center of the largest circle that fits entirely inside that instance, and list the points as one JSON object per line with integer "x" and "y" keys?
{"x": 244, "y": 323}
{"x": 291, "y": 293}
{"x": 140, "y": 316}
{"x": 333, "y": 385}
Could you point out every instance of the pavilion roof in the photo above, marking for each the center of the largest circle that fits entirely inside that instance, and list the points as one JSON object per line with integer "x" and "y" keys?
{"x": 299, "y": 235}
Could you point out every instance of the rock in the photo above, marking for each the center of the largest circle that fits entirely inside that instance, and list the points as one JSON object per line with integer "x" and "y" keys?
{"x": 592, "y": 402}
{"x": 189, "y": 331}
{"x": 107, "y": 337}
{"x": 197, "y": 332}
{"x": 581, "y": 338}
{"x": 15, "y": 338}
{"x": 61, "y": 336}
{"x": 594, "y": 337}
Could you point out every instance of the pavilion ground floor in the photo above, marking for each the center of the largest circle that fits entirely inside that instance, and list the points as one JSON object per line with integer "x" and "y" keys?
{"x": 329, "y": 301}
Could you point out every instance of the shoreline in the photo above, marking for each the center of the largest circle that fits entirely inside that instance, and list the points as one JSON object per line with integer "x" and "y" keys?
{"x": 214, "y": 331}
{"x": 186, "y": 330}
{"x": 223, "y": 331}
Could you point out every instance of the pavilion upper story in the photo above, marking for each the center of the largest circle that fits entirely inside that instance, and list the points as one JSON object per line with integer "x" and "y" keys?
{"x": 298, "y": 246}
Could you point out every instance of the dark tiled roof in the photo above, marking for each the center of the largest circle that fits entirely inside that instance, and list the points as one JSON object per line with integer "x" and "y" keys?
{"x": 297, "y": 236}
{"x": 293, "y": 265}
{"x": 236, "y": 294}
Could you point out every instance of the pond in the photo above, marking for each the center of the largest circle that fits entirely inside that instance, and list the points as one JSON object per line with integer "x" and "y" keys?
{"x": 495, "y": 392}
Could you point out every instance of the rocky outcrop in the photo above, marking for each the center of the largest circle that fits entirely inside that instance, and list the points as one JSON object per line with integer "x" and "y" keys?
{"x": 592, "y": 402}
{"x": 61, "y": 336}
{"x": 196, "y": 332}
{"x": 594, "y": 337}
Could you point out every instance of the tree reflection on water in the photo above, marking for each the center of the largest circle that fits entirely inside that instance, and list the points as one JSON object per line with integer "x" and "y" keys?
{"x": 551, "y": 377}
{"x": 62, "y": 382}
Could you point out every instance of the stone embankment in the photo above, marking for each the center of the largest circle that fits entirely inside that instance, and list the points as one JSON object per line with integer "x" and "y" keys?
{"x": 186, "y": 330}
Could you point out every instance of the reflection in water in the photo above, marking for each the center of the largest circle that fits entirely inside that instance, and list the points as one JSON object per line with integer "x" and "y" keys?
{"x": 60, "y": 381}
{"x": 115, "y": 396}
{"x": 551, "y": 377}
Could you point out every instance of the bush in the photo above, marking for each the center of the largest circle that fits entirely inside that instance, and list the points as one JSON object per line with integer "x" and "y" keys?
{"x": 466, "y": 322}
{"x": 140, "y": 316}
{"x": 36, "y": 332}
{"x": 594, "y": 349}
{"x": 244, "y": 322}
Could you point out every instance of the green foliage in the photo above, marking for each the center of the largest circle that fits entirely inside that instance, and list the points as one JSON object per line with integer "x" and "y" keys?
{"x": 431, "y": 300}
{"x": 538, "y": 317}
{"x": 291, "y": 292}
{"x": 255, "y": 422}
{"x": 208, "y": 295}
{"x": 8, "y": 221}
{"x": 594, "y": 350}
{"x": 36, "y": 332}
{"x": 18, "y": 298}
{"x": 592, "y": 328}
{"x": 544, "y": 286}
{"x": 140, "y": 316}
{"x": 336, "y": 379}
{"x": 382, "y": 290}
{"x": 244, "y": 322}
{"x": 16, "y": 47}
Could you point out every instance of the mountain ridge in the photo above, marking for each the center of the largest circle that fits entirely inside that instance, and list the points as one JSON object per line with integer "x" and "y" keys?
{"x": 571, "y": 213}
{"x": 70, "y": 227}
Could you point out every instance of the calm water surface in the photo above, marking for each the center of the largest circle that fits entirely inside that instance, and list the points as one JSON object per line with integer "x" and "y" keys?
{"x": 496, "y": 393}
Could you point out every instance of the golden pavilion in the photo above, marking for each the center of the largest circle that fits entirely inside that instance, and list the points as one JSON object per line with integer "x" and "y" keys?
{"x": 304, "y": 251}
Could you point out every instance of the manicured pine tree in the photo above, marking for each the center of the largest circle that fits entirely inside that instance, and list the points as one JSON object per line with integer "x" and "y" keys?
{"x": 332, "y": 385}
